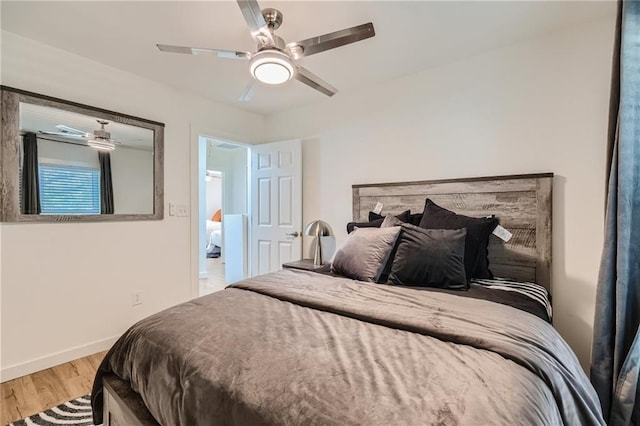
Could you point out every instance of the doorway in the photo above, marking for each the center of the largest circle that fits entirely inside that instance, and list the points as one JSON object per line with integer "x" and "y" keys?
{"x": 223, "y": 213}
{"x": 260, "y": 213}
{"x": 212, "y": 276}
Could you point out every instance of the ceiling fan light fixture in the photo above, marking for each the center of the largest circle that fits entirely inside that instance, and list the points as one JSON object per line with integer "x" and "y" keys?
{"x": 101, "y": 139}
{"x": 271, "y": 67}
{"x": 102, "y": 145}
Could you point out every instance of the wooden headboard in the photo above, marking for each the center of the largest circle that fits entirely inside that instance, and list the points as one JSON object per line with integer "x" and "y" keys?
{"x": 522, "y": 203}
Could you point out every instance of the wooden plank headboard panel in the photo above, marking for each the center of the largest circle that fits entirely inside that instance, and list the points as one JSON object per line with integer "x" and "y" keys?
{"x": 522, "y": 203}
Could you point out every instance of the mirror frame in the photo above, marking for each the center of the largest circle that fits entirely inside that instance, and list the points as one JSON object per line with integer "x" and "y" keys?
{"x": 10, "y": 209}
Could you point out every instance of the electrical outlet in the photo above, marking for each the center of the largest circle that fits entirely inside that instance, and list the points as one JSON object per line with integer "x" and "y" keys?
{"x": 172, "y": 209}
{"x": 136, "y": 299}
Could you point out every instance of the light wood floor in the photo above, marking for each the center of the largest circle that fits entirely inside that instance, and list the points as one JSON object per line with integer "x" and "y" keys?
{"x": 215, "y": 280}
{"x": 39, "y": 391}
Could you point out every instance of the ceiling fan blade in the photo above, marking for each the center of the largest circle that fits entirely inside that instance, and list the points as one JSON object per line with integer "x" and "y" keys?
{"x": 332, "y": 40}
{"x": 258, "y": 26}
{"x": 247, "y": 93}
{"x": 62, "y": 134}
{"x": 70, "y": 130}
{"x": 230, "y": 54}
{"x": 310, "y": 79}
{"x": 252, "y": 14}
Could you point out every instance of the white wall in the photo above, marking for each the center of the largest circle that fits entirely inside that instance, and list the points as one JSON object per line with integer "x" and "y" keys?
{"x": 213, "y": 195}
{"x": 66, "y": 287}
{"x": 132, "y": 177}
{"x": 233, "y": 163}
{"x": 239, "y": 195}
{"x": 538, "y": 106}
{"x": 202, "y": 206}
{"x": 67, "y": 153}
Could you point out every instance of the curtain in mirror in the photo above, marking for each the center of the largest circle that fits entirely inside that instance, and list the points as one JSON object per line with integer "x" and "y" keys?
{"x": 106, "y": 184}
{"x": 30, "y": 178}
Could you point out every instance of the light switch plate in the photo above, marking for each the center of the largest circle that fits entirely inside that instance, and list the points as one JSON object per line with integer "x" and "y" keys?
{"x": 172, "y": 209}
{"x": 182, "y": 210}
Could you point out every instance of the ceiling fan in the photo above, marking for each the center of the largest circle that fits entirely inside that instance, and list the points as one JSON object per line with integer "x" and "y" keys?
{"x": 275, "y": 62}
{"x": 99, "y": 139}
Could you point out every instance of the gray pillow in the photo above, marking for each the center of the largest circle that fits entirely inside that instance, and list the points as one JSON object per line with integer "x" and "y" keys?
{"x": 364, "y": 253}
{"x": 429, "y": 258}
{"x": 391, "y": 220}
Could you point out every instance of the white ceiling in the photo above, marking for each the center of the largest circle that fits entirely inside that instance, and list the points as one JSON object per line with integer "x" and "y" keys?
{"x": 410, "y": 37}
{"x": 38, "y": 118}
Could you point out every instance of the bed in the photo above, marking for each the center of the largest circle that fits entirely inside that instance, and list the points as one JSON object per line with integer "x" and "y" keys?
{"x": 297, "y": 347}
{"x": 214, "y": 238}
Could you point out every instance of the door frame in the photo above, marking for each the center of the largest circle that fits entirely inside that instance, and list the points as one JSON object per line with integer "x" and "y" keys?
{"x": 223, "y": 204}
{"x": 195, "y": 150}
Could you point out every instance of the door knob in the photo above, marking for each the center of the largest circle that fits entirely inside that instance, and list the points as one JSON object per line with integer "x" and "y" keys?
{"x": 293, "y": 234}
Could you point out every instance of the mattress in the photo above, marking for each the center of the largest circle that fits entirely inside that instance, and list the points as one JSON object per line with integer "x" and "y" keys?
{"x": 215, "y": 239}
{"x": 214, "y": 235}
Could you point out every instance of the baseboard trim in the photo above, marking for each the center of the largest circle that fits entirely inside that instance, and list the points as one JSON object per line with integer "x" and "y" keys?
{"x": 18, "y": 370}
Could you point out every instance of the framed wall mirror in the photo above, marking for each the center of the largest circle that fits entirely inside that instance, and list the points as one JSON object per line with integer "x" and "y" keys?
{"x": 66, "y": 162}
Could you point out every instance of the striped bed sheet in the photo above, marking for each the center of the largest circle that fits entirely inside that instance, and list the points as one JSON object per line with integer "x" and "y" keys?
{"x": 531, "y": 290}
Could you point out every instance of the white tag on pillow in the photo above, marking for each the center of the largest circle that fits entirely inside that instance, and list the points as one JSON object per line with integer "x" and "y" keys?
{"x": 502, "y": 233}
{"x": 378, "y": 208}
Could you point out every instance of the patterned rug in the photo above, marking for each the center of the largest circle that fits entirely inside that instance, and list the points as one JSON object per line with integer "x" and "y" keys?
{"x": 76, "y": 412}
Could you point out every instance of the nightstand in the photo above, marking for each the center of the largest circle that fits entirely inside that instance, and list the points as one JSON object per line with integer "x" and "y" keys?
{"x": 307, "y": 265}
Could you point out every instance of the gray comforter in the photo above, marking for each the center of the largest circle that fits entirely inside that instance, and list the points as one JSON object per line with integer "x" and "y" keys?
{"x": 296, "y": 347}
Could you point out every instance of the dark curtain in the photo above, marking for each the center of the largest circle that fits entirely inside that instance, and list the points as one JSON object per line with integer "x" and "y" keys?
{"x": 615, "y": 360}
{"x": 30, "y": 179}
{"x": 106, "y": 184}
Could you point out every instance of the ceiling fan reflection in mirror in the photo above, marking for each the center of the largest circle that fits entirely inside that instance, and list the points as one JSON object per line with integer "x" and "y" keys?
{"x": 100, "y": 139}
{"x": 275, "y": 62}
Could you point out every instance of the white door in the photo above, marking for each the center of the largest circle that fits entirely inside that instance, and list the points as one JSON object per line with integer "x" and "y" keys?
{"x": 276, "y": 205}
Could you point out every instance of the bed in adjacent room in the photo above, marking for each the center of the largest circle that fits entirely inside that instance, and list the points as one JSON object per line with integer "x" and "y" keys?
{"x": 298, "y": 347}
{"x": 213, "y": 229}
{"x": 214, "y": 238}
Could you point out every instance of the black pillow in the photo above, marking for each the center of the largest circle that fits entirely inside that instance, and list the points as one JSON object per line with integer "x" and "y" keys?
{"x": 351, "y": 226}
{"x": 429, "y": 258}
{"x": 375, "y": 220}
{"x": 479, "y": 230}
{"x": 415, "y": 219}
{"x": 404, "y": 216}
